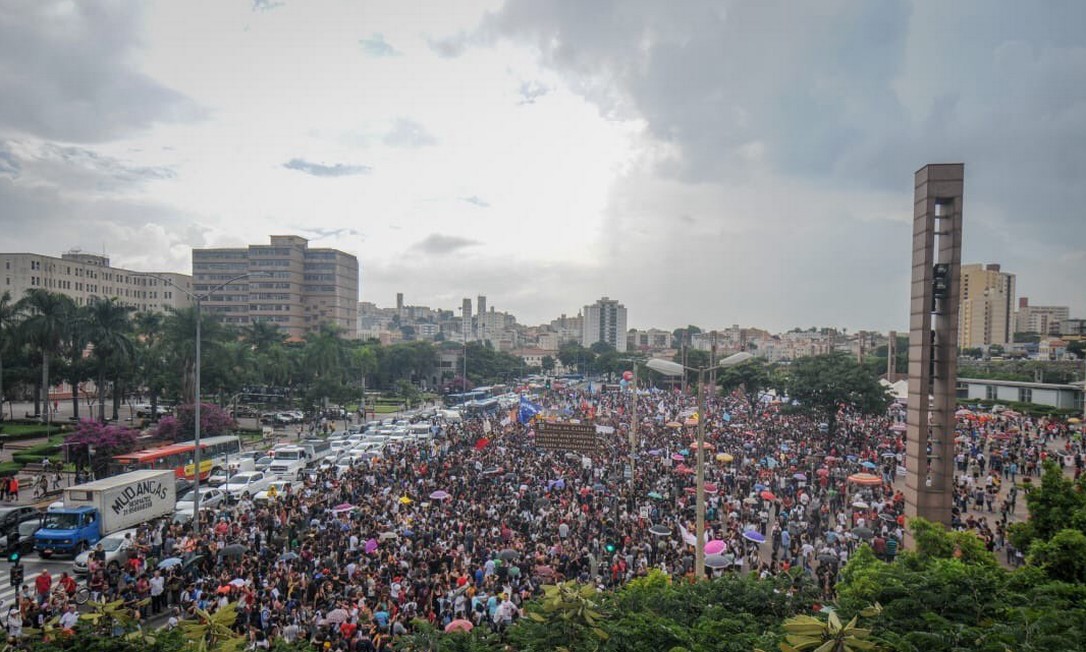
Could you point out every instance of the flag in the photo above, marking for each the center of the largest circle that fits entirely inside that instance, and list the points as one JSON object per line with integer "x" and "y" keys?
{"x": 527, "y": 410}
{"x": 481, "y": 443}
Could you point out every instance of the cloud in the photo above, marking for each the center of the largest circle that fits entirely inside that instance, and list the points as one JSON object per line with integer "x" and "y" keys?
{"x": 67, "y": 73}
{"x": 322, "y": 170}
{"x": 74, "y": 170}
{"x": 266, "y": 5}
{"x": 9, "y": 165}
{"x": 376, "y": 46}
{"x": 477, "y": 201}
{"x": 530, "y": 91}
{"x": 438, "y": 244}
{"x": 408, "y": 133}
{"x": 450, "y": 47}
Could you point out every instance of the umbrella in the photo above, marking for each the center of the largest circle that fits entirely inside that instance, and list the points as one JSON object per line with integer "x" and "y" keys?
{"x": 677, "y": 457}
{"x": 656, "y": 452}
{"x": 863, "y": 532}
{"x": 543, "y": 571}
{"x": 655, "y": 495}
{"x": 673, "y": 424}
{"x": 827, "y": 558}
{"x": 191, "y": 561}
{"x": 224, "y": 589}
{"x": 888, "y": 454}
{"x": 405, "y": 500}
{"x": 759, "y": 487}
{"x": 542, "y": 503}
{"x": 169, "y": 562}
{"x": 691, "y": 490}
{"x": 288, "y": 556}
{"x": 869, "y": 465}
{"x": 714, "y": 547}
{"x": 238, "y": 582}
{"x": 859, "y": 504}
{"x": 598, "y": 487}
{"x": 459, "y": 625}
{"x": 337, "y": 616}
{"x": 711, "y": 488}
{"x": 799, "y": 476}
{"x": 508, "y": 554}
{"x": 660, "y": 530}
{"x": 865, "y": 479}
{"x": 371, "y": 546}
{"x": 724, "y": 457}
{"x": 899, "y": 427}
{"x": 767, "y": 495}
{"x": 440, "y": 495}
{"x": 694, "y": 445}
{"x": 716, "y": 561}
{"x": 889, "y": 518}
{"x": 234, "y": 550}
{"x": 754, "y": 536}
{"x": 1074, "y": 420}
{"x": 750, "y": 500}
{"x": 823, "y": 472}
{"x": 342, "y": 508}
{"x": 492, "y": 471}
{"x": 388, "y": 535}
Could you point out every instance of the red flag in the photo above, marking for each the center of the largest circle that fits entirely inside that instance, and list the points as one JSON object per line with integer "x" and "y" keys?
{"x": 481, "y": 443}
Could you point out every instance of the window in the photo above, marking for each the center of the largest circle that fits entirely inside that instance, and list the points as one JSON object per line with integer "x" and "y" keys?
{"x": 1025, "y": 395}
{"x": 990, "y": 393}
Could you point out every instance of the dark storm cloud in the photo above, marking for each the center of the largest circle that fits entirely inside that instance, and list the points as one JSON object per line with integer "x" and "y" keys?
{"x": 847, "y": 98}
{"x": 67, "y": 73}
{"x": 408, "y": 133}
{"x": 376, "y": 46}
{"x": 437, "y": 244}
{"x": 322, "y": 170}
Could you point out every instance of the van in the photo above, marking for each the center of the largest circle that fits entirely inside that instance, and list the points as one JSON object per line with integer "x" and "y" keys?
{"x": 316, "y": 449}
{"x": 452, "y": 416}
{"x": 421, "y": 430}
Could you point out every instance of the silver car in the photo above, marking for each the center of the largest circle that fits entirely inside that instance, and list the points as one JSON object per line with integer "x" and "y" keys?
{"x": 113, "y": 547}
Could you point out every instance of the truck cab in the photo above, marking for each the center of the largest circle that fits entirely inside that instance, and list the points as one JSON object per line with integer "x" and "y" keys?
{"x": 68, "y": 531}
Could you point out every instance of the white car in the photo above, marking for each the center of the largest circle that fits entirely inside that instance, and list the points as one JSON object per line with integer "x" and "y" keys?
{"x": 209, "y": 497}
{"x": 280, "y": 488}
{"x": 246, "y": 483}
{"x": 116, "y": 555}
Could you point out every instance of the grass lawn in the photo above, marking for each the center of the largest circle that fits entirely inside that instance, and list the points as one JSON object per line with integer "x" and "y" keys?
{"x": 22, "y": 429}
{"x": 386, "y": 409}
{"x": 9, "y": 468}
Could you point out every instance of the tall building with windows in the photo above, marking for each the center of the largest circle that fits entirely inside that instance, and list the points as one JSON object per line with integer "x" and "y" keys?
{"x": 986, "y": 311}
{"x": 1045, "y": 320}
{"x": 605, "y": 321}
{"x": 84, "y": 277}
{"x": 298, "y": 287}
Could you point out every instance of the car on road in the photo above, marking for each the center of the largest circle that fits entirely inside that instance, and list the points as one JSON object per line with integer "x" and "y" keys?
{"x": 25, "y": 544}
{"x": 11, "y": 517}
{"x": 276, "y": 488}
{"x": 209, "y": 497}
{"x": 249, "y": 482}
{"x": 114, "y": 548}
{"x": 263, "y": 463}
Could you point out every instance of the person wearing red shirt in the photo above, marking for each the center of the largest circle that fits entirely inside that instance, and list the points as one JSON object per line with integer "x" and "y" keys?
{"x": 43, "y": 583}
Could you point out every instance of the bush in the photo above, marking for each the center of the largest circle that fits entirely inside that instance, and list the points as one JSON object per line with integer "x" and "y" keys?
{"x": 21, "y": 431}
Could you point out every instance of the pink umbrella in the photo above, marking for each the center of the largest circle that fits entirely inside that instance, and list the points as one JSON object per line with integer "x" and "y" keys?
{"x": 714, "y": 547}
{"x": 440, "y": 495}
{"x": 677, "y": 457}
{"x": 711, "y": 488}
{"x": 371, "y": 546}
{"x": 459, "y": 625}
{"x": 342, "y": 508}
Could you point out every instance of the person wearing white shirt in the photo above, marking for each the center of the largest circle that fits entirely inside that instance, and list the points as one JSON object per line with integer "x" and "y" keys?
{"x": 69, "y": 618}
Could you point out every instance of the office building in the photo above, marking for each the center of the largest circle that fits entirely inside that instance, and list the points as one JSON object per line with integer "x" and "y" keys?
{"x": 465, "y": 323}
{"x": 481, "y": 329}
{"x": 1045, "y": 320}
{"x": 986, "y": 313}
{"x": 605, "y": 321}
{"x": 299, "y": 290}
{"x": 84, "y": 277}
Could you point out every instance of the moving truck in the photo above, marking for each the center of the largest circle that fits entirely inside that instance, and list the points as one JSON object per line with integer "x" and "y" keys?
{"x": 96, "y": 509}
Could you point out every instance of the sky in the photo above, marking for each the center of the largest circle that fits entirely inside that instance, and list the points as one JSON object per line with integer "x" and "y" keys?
{"x": 703, "y": 162}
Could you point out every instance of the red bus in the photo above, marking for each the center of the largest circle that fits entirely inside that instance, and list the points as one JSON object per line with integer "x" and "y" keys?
{"x": 214, "y": 452}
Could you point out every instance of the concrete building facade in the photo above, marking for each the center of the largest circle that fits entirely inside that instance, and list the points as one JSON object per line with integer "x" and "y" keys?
{"x": 1045, "y": 320}
{"x": 299, "y": 288}
{"x": 986, "y": 313}
{"x": 605, "y": 321}
{"x": 84, "y": 277}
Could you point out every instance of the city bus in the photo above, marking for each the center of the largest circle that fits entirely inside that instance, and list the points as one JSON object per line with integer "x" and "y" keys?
{"x": 214, "y": 454}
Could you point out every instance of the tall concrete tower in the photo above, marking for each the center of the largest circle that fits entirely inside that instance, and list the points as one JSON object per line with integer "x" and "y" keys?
{"x": 891, "y": 357}
{"x": 480, "y": 305}
{"x": 933, "y": 341}
{"x": 466, "y": 310}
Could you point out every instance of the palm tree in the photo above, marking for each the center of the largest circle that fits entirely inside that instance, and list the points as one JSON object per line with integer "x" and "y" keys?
{"x": 262, "y": 336}
{"x": 179, "y": 337}
{"x": 45, "y": 327}
{"x": 325, "y": 360}
{"x": 110, "y": 331}
{"x": 151, "y": 363}
{"x": 8, "y": 315}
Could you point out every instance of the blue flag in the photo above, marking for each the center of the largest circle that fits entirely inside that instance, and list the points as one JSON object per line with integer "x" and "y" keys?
{"x": 527, "y": 410}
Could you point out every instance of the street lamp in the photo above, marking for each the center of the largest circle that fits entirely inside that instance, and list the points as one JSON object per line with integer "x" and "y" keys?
{"x": 198, "y": 300}
{"x": 669, "y": 368}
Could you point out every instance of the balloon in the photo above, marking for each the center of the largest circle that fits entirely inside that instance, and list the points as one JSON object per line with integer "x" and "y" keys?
{"x": 627, "y": 375}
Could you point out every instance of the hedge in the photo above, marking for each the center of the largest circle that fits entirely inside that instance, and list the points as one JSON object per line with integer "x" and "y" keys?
{"x": 19, "y": 432}
{"x": 36, "y": 453}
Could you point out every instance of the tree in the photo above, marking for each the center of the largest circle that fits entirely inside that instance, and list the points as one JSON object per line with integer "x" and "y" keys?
{"x": 213, "y": 632}
{"x": 104, "y": 440}
{"x": 110, "y": 331}
{"x": 825, "y": 384}
{"x": 45, "y": 327}
{"x": 150, "y": 354}
{"x": 1055, "y": 504}
{"x": 1078, "y": 348}
{"x": 1063, "y": 557}
{"x": 547, "y": 363}
{"x": 753, "y": 378}
{"x": 574, "y": 356}
{"x": 8, "y": 317}
{"x": 214, "y": 420}
{"x": 569, "y": 617}
{"x": 810, "y": 633}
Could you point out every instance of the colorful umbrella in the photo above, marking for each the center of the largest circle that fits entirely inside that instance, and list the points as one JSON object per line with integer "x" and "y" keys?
{"x": 459, "y": 625}
{"x": 866, "y": 479}
{"x": 714, "y": 547}
{"x": 440, "y": 495}
{"x": 724, "y": 457}
{"x": 754, "y": 536}
{"x": 767, "y": 495}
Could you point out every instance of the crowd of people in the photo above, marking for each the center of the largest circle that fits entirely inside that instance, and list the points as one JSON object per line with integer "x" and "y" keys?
{"x": 460, "y": 529}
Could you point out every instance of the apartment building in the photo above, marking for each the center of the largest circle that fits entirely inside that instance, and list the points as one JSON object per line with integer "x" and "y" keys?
{"x": 986, "y": 314}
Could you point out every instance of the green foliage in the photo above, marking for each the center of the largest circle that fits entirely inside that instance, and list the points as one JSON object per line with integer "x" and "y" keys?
{"x": 213, "y": 632}
{"x": 824, "y": 384}
{"x": 753, "y": 378}
{"x": 1063, "y": 557}
{"x": 934, "y": 541}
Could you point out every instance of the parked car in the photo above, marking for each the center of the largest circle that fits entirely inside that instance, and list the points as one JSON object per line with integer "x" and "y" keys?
{"x": 276, "y": 488}
{"x": 114, "y": 548}
{"x": 26, "y": 530}
{"x": 249, "y": 482}
{"x": 263, "y": 463}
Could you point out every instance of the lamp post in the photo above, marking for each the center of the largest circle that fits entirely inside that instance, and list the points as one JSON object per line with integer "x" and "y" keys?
{"x": 198, "y": 300}
{"x": 669, "y": 368}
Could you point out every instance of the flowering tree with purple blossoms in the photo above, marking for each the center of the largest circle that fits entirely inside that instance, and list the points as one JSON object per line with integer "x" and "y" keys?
{"x": 182, "y": 426}
{"x": 105, "y": 440}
